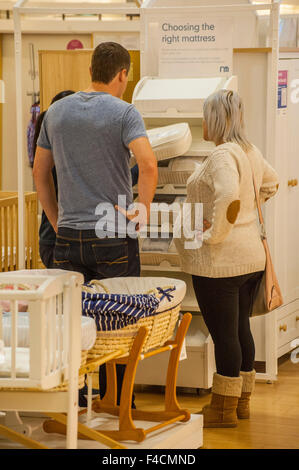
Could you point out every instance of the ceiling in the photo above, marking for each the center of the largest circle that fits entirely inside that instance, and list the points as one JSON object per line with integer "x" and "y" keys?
{"x": 287, "y": 6}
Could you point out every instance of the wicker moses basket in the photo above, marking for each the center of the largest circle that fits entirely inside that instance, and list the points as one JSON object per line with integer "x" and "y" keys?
{"x": 160, "y": 326}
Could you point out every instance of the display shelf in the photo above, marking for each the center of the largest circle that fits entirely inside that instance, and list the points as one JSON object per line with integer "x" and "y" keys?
{"x": 173, "y": 114}
{"x": 164, "y": 102}
{"x": 165, "y": 189}
{"x": 172, "y": 97}
{"x": 199, "y": 147}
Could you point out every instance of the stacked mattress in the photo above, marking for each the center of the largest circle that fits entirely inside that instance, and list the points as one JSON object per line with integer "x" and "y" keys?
{"x": 169, "y": 141}
{"x": 171, "y": 145}
{"x": 178, "y": 170}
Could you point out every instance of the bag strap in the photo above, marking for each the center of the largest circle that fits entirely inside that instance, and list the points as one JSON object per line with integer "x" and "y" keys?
{"x": 258, "y": 204}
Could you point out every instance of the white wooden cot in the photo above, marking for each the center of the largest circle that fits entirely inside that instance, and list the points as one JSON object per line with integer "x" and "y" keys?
{"x": 32, "y": 381}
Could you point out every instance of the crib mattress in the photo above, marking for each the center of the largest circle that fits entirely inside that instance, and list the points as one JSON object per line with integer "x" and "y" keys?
{"x": 170, "y": 141}
{"x": 88, "y": 331}
{"x": 178, "y": 170}
{"x": 22, "y": 362}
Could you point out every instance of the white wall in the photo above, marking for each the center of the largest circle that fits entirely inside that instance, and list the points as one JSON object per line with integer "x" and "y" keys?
{"x": 9, "y": 146}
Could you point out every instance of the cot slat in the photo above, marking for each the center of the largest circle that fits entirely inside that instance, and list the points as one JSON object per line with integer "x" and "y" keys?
{"x": 1, "y": 243}
{"x": 5, "y": 239}
{"x": 49, "y": 335}
{"x": 9, "y": 231}
{"x": 27, "y": 238}
{"x": 11, "y": 241}
{"x": 17, "y": 244}
{"x": 60, "y": 336}
{"x": 53, "y": 328}
{"x": 14, "y": 337}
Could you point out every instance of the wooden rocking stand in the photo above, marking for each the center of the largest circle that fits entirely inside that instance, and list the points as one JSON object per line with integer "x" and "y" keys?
{"x": 127, "y": 430}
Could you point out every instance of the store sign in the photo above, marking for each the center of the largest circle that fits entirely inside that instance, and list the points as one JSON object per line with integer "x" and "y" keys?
{"x": 282, "y": 89}
{"x": 74, "y": 44}
{"x": 192, "y": 47}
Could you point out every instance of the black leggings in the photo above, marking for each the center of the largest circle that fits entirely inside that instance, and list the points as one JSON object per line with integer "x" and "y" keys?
{"x": 226, "y": 306}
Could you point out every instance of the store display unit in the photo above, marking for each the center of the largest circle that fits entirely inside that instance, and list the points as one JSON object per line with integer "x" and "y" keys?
{"x": 254, "y": 75}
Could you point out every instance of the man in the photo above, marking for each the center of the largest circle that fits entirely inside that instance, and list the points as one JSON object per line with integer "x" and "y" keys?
{"x": 89, "y": 137}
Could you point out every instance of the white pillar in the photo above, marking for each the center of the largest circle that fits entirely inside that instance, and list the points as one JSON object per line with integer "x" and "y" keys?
{"x": 19, "y": 121}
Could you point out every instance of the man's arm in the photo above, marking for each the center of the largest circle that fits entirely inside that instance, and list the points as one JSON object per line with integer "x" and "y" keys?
{"x": 148, "y": 171}
{"x": 42, "y": 174}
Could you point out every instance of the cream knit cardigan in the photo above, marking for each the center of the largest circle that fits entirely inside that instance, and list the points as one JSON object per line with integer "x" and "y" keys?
{"x": 223, "y": 183}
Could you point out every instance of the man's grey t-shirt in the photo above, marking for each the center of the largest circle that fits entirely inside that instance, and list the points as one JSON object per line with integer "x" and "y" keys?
{"x": 89, "y": 135}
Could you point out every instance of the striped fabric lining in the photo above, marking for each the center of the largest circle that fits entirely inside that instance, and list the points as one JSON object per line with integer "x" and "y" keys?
{"x": 115, "y": 311}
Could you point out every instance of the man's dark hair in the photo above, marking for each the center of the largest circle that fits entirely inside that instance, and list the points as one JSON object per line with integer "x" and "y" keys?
{"x": 108, "y": 59}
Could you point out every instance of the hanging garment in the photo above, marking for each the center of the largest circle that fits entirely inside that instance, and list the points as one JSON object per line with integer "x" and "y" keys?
{"x": 35, "y": 111}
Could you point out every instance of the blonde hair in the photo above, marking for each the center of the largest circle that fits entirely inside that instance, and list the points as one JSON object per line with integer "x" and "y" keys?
{"x": 224, "y": 117}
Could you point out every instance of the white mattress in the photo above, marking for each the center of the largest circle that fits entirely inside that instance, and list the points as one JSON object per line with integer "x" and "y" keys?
{"x": 184, "y": 164}
{"x": 170, "y": 141}
{"x": 142, "y": 285}
{"x": 88, "y": 331}
{"x": 156, "y": 244}
{"x": 178, "y": 171}
{"x": 22, "y": 362}
{"x": 158, "y": 95}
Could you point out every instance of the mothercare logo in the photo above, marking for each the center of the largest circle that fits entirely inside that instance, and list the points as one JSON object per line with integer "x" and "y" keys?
{"x": 183, "y": 221}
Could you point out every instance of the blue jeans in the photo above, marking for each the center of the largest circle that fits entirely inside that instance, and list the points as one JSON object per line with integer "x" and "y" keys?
{"x": 96, "y": 258}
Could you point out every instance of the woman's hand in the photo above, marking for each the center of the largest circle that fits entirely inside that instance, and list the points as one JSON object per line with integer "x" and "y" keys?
{"x": 206, "y": 225}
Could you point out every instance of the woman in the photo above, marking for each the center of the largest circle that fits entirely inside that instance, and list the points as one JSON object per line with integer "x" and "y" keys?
{"x": 227, "y": 269}
{"x": 47, "y": 235}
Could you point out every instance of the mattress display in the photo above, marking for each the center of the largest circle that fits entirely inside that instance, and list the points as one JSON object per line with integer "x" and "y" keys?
{"x": 178, "y": 170}
{"x": 88, "y": 331}
{"x": 169, "y": 141}
{"x": 180, "y": 148}
{"x": 156, "y": 251}
{"x": 156, "y": 244}
{"x": 185, "y": 95}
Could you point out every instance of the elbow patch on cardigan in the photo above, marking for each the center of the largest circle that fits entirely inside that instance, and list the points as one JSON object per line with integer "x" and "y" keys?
{"x": 233, "y": 211}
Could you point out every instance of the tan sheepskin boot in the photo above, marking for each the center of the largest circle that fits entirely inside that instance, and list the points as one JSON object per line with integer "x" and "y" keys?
{"x": 221, "y": 412}
{"x": 243, "y": 411}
